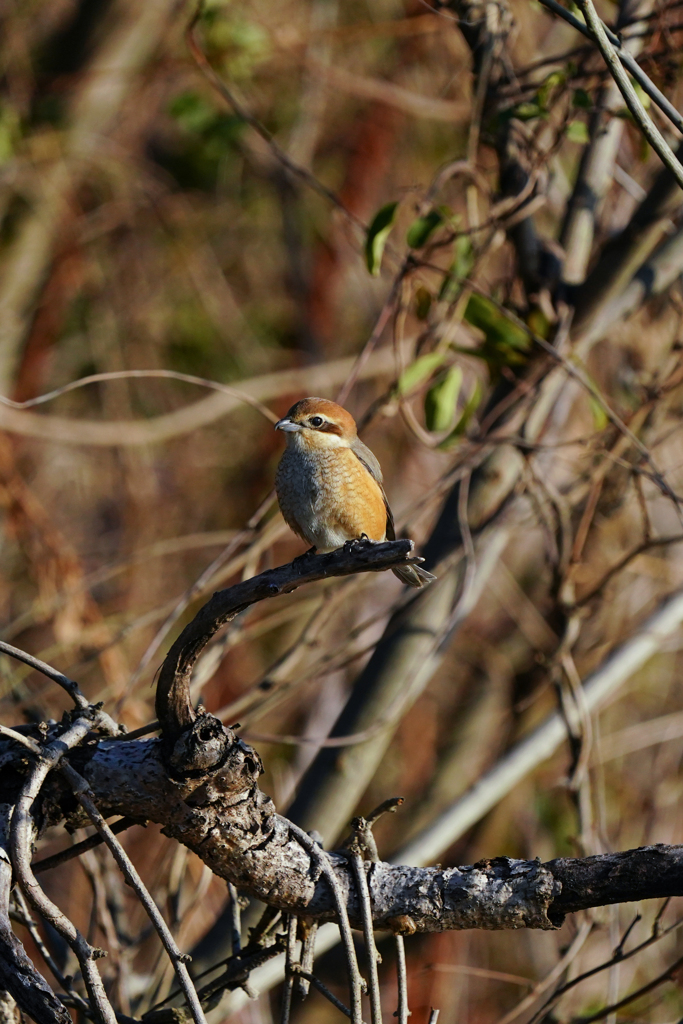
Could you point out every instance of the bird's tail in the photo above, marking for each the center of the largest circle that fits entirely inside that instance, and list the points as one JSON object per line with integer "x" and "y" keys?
{"x": 413, "y": 575}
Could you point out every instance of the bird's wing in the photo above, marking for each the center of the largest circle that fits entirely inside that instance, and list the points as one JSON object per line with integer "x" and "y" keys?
{"x": 371, "y": 463}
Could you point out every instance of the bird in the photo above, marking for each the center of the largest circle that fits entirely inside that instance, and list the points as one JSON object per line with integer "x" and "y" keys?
{"x": 329, "y": 484}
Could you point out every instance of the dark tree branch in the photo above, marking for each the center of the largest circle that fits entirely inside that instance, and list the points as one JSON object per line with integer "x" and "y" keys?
{"x": 643, "y": 874}
{"x": 173, "y": 705}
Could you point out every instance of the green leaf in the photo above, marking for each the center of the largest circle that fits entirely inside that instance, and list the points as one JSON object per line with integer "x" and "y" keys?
{"x": 549, "y": 83}
{"x": 420, "y": 230}
{"x": 192, "y": 111}
{"x": 423, "y": 303}
{"x": 581, "y": 100}
{"x": 459, "y": 269}
{"x": 577, "y": 131}
{"x": 600, "y": 417}
{"x": 506, "y": 343}
{"x": 642, "y": 95}
{"x": 442, "y": 399}
{"x": 377, "y": 236}
{"x": 527, "y": 111}
{"x": 471, "y": 406}
{"x": 420, "y": 370}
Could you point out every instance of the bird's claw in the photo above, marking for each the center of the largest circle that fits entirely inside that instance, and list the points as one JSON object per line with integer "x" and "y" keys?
{"x": 349, "y": 545}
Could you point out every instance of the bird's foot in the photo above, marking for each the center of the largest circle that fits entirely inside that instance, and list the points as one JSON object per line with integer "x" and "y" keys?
{"x": 349, "y": 545}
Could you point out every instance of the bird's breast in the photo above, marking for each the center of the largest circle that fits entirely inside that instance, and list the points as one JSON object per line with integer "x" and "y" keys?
{"x": 329, "y": 497}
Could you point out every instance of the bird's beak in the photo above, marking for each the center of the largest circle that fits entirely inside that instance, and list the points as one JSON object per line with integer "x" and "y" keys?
{"x": 288, "y": 426}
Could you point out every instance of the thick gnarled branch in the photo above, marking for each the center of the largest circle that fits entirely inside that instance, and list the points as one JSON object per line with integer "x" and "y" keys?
{"x": 233, "y": 827}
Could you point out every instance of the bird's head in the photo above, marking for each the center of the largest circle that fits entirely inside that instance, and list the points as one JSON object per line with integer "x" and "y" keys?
{"x": 317, "y": 423}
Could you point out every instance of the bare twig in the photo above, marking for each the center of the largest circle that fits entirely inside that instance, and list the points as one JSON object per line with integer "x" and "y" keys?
{"x": 558, "y": 970}
{"x": 78, "y": 848}
{"x": 290, "y": 964}
{"x": 645, "y": 123}
{"x": 323, "y": 989}
{"x": 667, "y": 975}
{"x": 69, "y": 685}
{"x": 307, "y": 956}
{"x": 27, "y": 920}
{"x": 21, "y": 842}
{"x": 85, "y": 797}
{"x": 323, "y": 863}
{"x": 241, "y": 111}
{"x": 17, "y": 737}
{"x": 402, "y": 980}
{"x": 235, "y": 919}
{"x": 372, "y": 954}
{"x": 513, "y": 766}
{"x": 626, "y": 59}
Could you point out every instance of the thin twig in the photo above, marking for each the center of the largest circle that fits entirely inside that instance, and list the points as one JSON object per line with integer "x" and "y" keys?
{"x": 640, "y": 116}
{"x": 97, "y": 378}
{"x": 290, "y": 963}
{"x": 24, "y": 917}
{"x": 85, "y": 797}
{"x": 307, "y": 956}
{"x": 666, "y": 975}
{"x": 79, "y": 848}
{"x": 18, "y": 737}
{"x": 372, "y": 954}
{"x": 325, "y": 867}
{"x": 402, "y": 980}
{"x": 196, "y": 588}
{"x": 626, "y": 59}
{"x": 245, "y": 115}
{"x": 21, "y": 846}
{"x": 619, "y": 955}
{"x": 67, "y": 684}
{"x": 560, "y": 967}
{"x": 324, "y": 990}
{"x": 235, "y": 920}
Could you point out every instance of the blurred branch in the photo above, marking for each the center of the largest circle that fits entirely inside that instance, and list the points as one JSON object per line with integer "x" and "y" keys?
{"x": 241, "y": 111}
{"x": 158, "y": 429}
{"x": 401, "y": 666}
{"x": 544, "y": 741}
{"x": 95, "y": 378}
{"x": 133, "y": 35}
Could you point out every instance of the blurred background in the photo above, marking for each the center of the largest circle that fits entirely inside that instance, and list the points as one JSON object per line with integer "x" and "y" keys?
{"x": 438, "y": 174}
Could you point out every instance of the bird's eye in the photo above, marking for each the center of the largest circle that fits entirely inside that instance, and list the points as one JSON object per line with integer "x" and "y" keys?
{"x": 316, "y": 421}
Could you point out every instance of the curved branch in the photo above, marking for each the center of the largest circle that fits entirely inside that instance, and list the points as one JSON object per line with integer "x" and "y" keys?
{"x": 173, "y": 705}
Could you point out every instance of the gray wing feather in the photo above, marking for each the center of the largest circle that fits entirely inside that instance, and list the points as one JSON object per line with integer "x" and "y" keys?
{"x": 369, "y": 460}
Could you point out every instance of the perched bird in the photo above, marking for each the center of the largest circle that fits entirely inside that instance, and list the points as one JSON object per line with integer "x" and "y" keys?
{"x": 329, "y": 484}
